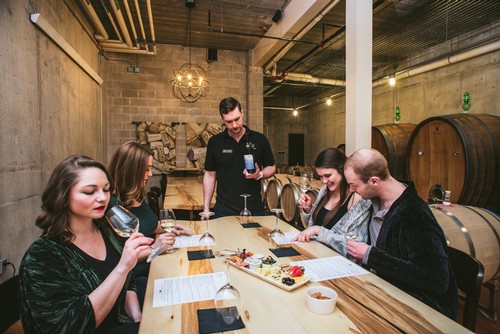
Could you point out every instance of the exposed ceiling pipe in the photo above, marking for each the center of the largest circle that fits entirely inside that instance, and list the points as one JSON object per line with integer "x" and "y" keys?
{"x": 461, "y": 56}
{"x": 121, "y": 22}
{"x": 301, "y": 77}
{"x": 113, "y": 45}
{"x": 95, "y": 19}
{"x": 131, "y": 23}
{"x": 299, "y": 35}
{"x": 141, "y": 25}
{"x": 222, "y": 31}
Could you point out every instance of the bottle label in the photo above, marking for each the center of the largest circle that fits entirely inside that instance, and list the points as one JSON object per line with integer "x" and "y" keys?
{"x": 249, "y": 165}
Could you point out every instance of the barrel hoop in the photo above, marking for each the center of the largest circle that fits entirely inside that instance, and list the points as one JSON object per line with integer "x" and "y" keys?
{"x": 492, "y": 228}
{"x": 468, "y": 160}
{"x": 462, "y": 228}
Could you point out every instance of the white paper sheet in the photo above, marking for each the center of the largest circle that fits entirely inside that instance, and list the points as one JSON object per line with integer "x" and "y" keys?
{"x": 329, "y": 268}
{"x": 187, "y": 289}
{"x": 187, "y": 241}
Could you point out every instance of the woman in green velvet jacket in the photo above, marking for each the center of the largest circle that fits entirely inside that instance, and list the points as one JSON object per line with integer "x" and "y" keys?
{"x": 76, "y": 278}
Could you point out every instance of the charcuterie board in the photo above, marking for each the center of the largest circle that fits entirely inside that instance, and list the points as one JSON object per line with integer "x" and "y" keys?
{"x": 274, "y": 275}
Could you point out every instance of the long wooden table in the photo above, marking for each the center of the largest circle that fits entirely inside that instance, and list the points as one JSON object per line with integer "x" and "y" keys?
{"x": 185, "y": 193}
{"x": 366, "y": 303}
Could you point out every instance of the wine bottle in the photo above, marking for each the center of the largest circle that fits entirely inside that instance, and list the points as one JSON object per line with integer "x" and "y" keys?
{"x": 249, "y": 163}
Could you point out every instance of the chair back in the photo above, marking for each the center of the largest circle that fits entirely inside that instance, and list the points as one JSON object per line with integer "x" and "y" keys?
{"x": 153, "y": 203}
{"x": 157, "y": 192}
{"x": 163, "y": 184}
{"x": 10, "y": 309}
{"x": 469, "y": 275}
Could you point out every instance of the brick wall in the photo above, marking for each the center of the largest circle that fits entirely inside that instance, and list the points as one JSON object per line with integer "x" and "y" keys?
{"x": 147, "y": 95}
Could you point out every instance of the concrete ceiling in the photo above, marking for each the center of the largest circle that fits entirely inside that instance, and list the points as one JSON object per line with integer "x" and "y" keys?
{"x": 401, "y": 28}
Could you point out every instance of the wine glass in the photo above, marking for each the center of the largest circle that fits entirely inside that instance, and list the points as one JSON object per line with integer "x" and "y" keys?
{"x": 245, "y": 215}
{"x": 277, "y": 234}
{"x": 123, "y": 222}
{"x": 304, "y": 183}
{"x": 207, "y": 240}
{"x": 167, "y": 222}
{"x": 227, "y": 297}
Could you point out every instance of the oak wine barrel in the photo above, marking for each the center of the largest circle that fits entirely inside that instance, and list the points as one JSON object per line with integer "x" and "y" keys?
{"x": 273, "y": 191}
{"x": 391, "y": 140}
{"x": 460, "y": 152}
{"x": 290, "y": 194}
{"x": 473, "y": 230}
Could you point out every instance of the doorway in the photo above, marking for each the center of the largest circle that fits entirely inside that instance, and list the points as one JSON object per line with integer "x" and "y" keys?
{"x": 296, "y": 149}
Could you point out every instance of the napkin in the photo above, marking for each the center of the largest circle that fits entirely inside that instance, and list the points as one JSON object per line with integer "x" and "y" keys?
{"x": 249, "y": 225}
{"x": 209, "y": 321}
{"x": 198, "y": 255}
{"x": 284, "y": 252}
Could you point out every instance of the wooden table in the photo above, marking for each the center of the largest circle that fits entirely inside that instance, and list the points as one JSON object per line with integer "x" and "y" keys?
{"x": 366, "y": 303}
{"x": 185, "y": 193}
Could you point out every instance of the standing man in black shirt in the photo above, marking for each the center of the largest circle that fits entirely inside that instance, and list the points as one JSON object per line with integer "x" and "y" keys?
{"x": 225, "y": 165}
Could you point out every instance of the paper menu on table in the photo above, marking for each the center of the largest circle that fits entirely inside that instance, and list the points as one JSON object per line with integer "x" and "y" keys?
{"x": 187, "y": 289}
{"x": 329, "y": 268}
{"x": 184, "y": 241}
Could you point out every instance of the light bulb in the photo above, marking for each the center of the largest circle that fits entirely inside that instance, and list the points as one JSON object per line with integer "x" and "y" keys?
{"x": 295, "y": 112}
{"x": 392, "y": 80}
{"x": 329, "y": 102}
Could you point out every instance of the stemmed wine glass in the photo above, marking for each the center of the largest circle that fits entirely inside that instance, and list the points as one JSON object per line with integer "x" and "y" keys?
{"x": 124, "y": 223}
{"x": 167, "y": 223}
{"x": 277, "y": 234}
{"x": 207, "y": 240}
{"x": 245, "y": 215}
{"x": 227, "y": 297}
{"x": 304, "y": 183}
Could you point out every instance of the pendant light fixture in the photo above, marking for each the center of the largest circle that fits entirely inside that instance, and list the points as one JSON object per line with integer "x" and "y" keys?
{"x": 190, "y": 81}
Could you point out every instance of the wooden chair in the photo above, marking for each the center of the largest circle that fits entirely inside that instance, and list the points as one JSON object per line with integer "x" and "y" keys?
{"x": 469, "y": 275}
{"x": 9, "y": 321}
{"x": 153, "y": 203}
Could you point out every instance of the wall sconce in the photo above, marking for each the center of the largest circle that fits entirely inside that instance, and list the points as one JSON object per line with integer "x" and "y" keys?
{"x": 392, "y": 80}
{"x": 329, "y": 102}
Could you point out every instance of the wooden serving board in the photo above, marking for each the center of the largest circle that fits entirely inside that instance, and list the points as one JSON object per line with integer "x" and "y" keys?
{"x": 299, "y": 281}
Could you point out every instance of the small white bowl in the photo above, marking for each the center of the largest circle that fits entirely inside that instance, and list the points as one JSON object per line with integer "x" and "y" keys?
{"x": 258, "y": 256}
{"x": 321, "y": 306}
{"x": 254, "y": 264}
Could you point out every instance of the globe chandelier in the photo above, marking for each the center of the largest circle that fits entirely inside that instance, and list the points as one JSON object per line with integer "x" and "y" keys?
{"x": 190, "y": 83}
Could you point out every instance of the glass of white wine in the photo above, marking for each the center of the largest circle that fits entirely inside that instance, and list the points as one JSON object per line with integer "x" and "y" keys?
{"x": 123, "y": 222}
{"x": 304, "y": 183}
{"x": 167, "y": 222}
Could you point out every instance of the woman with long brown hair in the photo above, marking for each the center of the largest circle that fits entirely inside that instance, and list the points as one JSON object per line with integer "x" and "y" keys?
{"x": 337, "y": 212}
{"x": 76, "y": 277}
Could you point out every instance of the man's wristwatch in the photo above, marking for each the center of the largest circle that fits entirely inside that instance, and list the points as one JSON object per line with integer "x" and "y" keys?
{"x": 260, "y": 176}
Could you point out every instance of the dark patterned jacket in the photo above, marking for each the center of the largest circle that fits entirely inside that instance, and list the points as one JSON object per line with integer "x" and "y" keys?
{"x": 54, "y": 284}
{"x": 410, "y": 253}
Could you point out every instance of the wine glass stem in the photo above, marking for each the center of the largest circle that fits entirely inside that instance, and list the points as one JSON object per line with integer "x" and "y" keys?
{"x": 206, "y": 224}
{"x": 227, "y": 271}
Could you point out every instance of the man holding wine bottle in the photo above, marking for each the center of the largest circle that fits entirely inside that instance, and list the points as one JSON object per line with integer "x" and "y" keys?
{"x": 237, "y": 159}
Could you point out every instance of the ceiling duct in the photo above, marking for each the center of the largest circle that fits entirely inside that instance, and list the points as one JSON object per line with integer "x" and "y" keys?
{"x": 117, "y": 26}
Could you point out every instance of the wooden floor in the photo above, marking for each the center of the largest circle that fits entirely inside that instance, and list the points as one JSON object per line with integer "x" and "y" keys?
{"x": 483, "y": 324}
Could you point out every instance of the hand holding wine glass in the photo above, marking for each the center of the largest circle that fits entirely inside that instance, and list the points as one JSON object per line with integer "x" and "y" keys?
{"x": 168, "y": 224}
{"x": 304, "y": 184}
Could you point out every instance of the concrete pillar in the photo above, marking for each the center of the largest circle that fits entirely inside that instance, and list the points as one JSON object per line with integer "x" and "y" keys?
{"x": 358, "y": 74}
